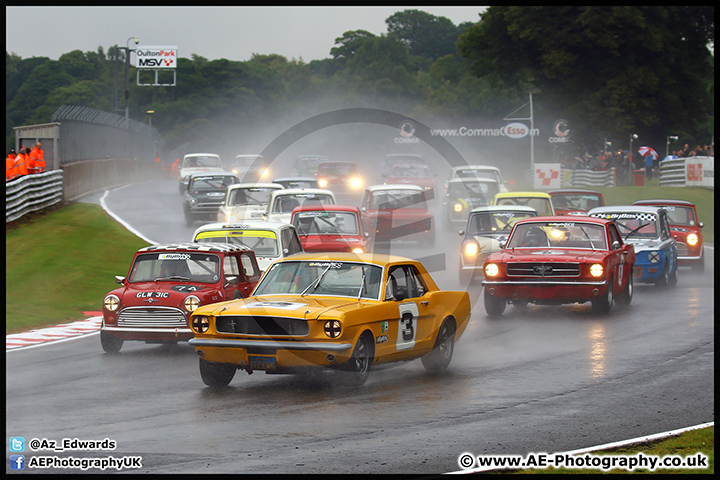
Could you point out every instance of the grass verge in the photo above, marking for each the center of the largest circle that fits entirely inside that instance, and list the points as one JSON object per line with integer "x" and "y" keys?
{"x": 61, "y": 263}
{"x": 684, "y": 445}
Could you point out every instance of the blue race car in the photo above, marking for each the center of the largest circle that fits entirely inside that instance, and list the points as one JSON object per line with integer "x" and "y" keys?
{"x": 647, "y": 229}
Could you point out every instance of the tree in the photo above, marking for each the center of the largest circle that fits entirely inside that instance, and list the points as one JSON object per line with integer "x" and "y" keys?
{"x": 426, "y": 35}
{"x": 618, "y": 70}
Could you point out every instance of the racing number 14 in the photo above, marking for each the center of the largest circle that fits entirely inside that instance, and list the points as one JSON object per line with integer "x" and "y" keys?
{"x": 407, "y": 325}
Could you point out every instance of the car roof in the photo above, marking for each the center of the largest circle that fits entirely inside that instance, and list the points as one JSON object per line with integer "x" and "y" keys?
{"x": 374, "y": 258}
{"x": 249, "y": 155}
{"x": 565, "y": 219}
{"x": 244, "y": 225}
{"x": 337, "y": 163}
{"x": 472, "y": 180}
{"x": 664, "y": 202}
{"x": 476, "y": 167}
{"x": 416, "y": 155}
{"x": 503, "y": 208}
{"x": 391, "y": 186}
{"x": 250, "y": 185}
{"x": 625, "y": 209}
{"x": 214, "y": 173}
{"x": 201, "y": 155}
{"x": 196, "y": 247}
{"x": 295, "y": 179}
{"x": 330, "y": 208}
{"x": 312, "y": 156}
{"x": 573, "y": 190}
{"x": 294, "y": 191}
{"x": 522, "y": 194}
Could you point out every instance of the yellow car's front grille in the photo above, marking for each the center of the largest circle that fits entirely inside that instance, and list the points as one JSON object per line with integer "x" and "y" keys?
{"x": 261, "y": 325}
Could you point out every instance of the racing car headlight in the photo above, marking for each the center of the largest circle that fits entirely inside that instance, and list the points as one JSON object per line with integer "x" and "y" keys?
{"x": 596, "y": 270}
{"x": 200, "y": 324}
{"x": 265, "y": 173}
{"x": 111, "y": 303}
{"x": 458, "y": 207}
{"x": 471, "y": 249}
{"x": 231, "y": 218}
{"x": 357, "y": 250}
{"x": 322, "y": 183}
{"x": 355, "y": 182}
{"x": 191, "y": 303}
{"x": 193, "y": 202}
{"x": 332, "y": 328}
{"x": 692, "y": 239}
{"x": 491, "y": 269}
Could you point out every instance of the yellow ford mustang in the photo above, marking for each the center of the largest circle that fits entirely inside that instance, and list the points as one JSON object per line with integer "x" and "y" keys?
{"x": 339, "y": 311}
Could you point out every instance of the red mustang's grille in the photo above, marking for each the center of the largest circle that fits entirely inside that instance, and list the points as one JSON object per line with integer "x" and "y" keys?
{"x": 545, "y": 269}
{"x": 256, "y": 325}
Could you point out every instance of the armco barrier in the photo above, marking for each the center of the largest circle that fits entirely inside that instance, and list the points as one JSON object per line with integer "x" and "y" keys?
{"x": 30, "y": 193}
{"x": 688, "y": 172}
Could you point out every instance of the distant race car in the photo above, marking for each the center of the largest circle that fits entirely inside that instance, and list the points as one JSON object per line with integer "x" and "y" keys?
{"x": 205, "y": 195}
{"x": 412, "y": 174}
{"x": 269, "y": 240}
{"x": 486, "y": 232}
{"x": 339, "y": 312}
{"x": 554, "y": 260}
{"x": 250, "y": 168}
{"x": 166, "y": 283}
{"x": 398, "y": 212}
{"x": 540, "y": 201}
{"x": 464, "y": 194}
{"x": 646, "y": 228}
{"x": 575, "y": 201}
{"x": 686, "y": 228}
{"x": 283, "y": 202}
{"x": 246, "y": 201}
{"x": 339, "y": 177}
{"x": 479, "y": 171}
{"x": 197, "y": 163}
{"x": 331, "y": 228}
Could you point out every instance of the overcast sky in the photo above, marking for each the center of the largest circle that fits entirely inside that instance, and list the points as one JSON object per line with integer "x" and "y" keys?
{"x": 234, "y": 33}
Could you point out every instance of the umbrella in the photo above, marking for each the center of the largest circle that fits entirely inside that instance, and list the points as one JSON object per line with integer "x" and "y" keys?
{"x": 645, "y": 151}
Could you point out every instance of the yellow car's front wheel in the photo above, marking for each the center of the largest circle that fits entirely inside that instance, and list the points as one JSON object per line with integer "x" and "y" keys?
{"x": 216, "y": 375}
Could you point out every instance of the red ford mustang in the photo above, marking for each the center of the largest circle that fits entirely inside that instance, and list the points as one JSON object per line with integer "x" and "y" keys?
{"x": 558, "y": 259}
{"x": 330, "y": 228}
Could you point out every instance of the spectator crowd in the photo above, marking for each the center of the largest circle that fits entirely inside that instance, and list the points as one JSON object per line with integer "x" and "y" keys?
{"x": 29, "y": 161}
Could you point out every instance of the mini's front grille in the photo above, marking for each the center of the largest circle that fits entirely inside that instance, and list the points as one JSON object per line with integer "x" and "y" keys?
{"x": 682, "y": 249}
{"x": 260, "y": 325}
{"x": 544, "y": 269}
{"x": 152, "y": 317}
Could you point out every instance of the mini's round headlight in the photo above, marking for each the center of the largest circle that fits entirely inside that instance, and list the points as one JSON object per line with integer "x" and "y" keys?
{"x": 111, "y": 303}
{"x": 200, "y": 323}
{"x": 491, "y": 269}
{"x": 332, "y": 328}
{"x": 692, "y": 239}
{"x": 596, "y": 270}
{"x": 191, "y": 303}
{"x": 458, "y": 207}
{"x": 193, "y": 201}
{"x": 471, "y": 249}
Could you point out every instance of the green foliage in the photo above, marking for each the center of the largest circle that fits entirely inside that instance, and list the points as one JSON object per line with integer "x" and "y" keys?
{"x": 613, "y": 69}
{"x": 607, "y": 70}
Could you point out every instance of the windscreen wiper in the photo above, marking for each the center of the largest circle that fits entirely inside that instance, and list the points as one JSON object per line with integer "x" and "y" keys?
{"x": 317, "y": 282}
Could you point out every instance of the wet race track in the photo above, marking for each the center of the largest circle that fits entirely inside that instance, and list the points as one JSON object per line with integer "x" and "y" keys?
{"x": 541, "y": 379}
